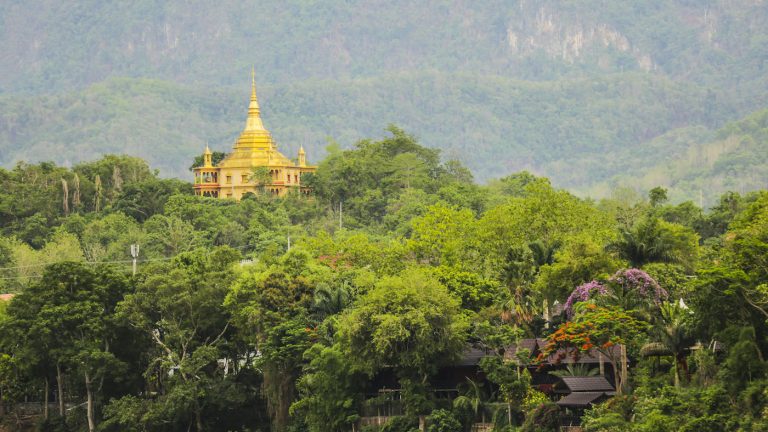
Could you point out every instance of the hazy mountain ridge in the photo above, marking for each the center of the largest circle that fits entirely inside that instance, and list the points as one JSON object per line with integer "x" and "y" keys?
{"x": 571, "y": 90}
{"x": 703, "y": 162}
{"x": 466, "y": 116}
{"x": 51, "y": 44}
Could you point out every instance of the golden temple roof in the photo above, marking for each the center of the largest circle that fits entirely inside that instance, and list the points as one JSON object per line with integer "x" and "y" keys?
{"x": 254, "y": 146}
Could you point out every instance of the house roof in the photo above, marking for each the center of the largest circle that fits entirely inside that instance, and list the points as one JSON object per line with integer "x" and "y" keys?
{"x": 587, "y": 384}
{"x": 6, "y": 297}
{"x": 580, "y": 399}
{"x": 532, "y": 345}
{"x": 472, "y": 356}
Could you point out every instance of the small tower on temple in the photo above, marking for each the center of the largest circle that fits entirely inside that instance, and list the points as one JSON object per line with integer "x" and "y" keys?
{"x": 207, "y": 176}
{"x": 302, "y": 157}
{"x": 207, "y": 157}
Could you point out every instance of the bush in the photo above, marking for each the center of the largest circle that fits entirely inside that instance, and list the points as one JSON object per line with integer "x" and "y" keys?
{"x": 401, "y": 424}
{"x": 608, "y": 422}
{"x": 545, "y": 418}
{"x": 443, "y": 421}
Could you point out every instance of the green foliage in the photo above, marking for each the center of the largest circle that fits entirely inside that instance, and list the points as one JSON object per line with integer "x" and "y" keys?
{"x": 474, "y": 291}
{"x": 444, "y": 235}
{"x": 177, "y": 306}
{"x": 401, "y": 424}
{"x": 544, "y": 418}
{"x": 580, "y": 260}
{"x": 653, "y": 240}
{"x": 328, "y": 391}
{"x": 646, "y": 86}
{"x": 443, "y": 421}
{"x": 409, "y": 320}
{"x": 545, "y": 215}
{"x": 225, "y": 327}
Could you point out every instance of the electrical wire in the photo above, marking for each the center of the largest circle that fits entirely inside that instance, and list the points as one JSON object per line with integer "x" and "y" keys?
{"x": 94, "y": 263}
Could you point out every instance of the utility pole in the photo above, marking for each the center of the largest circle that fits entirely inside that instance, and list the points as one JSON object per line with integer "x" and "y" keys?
{"x": 341, "y": 213}
{"x": 289, "y": 243}
{"x": 135, "y": 255}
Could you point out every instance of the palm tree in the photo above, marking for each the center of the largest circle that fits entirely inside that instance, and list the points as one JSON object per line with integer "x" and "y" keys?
{"x": 674, "y": 331}
{"x": 543, "y": 253}
{"x": 517, "y": 272}
{"x": 473, "y": 398}
{"x": 643, "y": 243}
{"x": 576, "y": 370}
{"x": 330, "y": 300}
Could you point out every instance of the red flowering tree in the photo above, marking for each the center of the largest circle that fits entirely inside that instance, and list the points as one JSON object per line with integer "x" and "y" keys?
{"x": 595, "y": 328}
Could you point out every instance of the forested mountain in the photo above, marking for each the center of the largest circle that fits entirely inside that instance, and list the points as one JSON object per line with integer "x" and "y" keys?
{"x": 694, "y": 161}
{"x": 576, "y": 91}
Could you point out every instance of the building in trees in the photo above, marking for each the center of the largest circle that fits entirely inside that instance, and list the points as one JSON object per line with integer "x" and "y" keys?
{"x": 254, "y": 166}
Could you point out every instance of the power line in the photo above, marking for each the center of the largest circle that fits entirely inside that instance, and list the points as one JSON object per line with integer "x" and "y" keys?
{"x": 20, "y": 277}
{"x": 105, "y": 262}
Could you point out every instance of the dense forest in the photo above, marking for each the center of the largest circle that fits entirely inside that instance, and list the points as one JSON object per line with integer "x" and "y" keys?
{"x": 506, "y": 86}
{"x": 289, "y": 314}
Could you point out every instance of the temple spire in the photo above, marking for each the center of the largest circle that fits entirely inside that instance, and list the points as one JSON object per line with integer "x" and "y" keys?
{"x": 254, "y": 113}
{"x": 253, "y": 84}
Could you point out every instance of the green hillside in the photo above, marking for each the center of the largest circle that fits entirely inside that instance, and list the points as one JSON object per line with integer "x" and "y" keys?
{"x": 495, "y": 125}
{"x": 703, "y": 163}
{"x": 578, "y": 91}
{"x": 50, "y": 44}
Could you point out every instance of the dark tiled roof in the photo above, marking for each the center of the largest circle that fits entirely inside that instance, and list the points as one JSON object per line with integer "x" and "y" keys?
{"x": 587, "y": 384}
{"x": 472, "y": 356}
{"x": 580, "y": 399}
{"x": 532, "y": 345}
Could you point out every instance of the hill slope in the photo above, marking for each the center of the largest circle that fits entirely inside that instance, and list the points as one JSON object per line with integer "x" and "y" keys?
{"x": 577, "y": 91}
{"x": 567, "y": 129}
{"x": 59, "y": 45}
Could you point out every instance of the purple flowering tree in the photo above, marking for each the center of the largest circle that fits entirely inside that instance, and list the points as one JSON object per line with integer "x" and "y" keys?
{"x": 582, "y": 293}
{"x": 638, "y": 285}
{"x": 629, "y": 288}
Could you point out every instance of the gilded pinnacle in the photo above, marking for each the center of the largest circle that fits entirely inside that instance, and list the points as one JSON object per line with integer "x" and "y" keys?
{"x": 253, "y": 123}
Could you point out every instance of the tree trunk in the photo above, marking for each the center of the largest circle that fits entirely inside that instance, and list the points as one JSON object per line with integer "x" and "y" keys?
{"x": 198, "y": 418}
{"x": 2, "y": 404}
{"x": 60, "y": 389}
{"x": 616, "y": 376}
{"x": 45, "y": 399}
{"x": 624, "y": 365}
{"x": 681, "y": 367}
{"x": 677, "y": 374}
{"x": 89, "y": 410}
{"x": 602, "y": 364}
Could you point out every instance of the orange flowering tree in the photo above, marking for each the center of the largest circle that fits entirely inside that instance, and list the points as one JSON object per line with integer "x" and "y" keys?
{"x": 595, "y": 329}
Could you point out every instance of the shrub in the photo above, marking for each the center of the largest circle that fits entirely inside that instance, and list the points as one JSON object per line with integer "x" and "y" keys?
{"x": 401, "y": 424}
{"x": 545, "y": 418}
{"x": 443, "y": 421}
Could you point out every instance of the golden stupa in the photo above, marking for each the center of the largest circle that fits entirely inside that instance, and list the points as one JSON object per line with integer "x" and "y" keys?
{"x": 238, "y": 173}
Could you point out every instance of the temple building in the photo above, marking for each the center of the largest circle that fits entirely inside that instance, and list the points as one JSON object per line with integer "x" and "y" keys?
{"x": 255, "y": 165}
